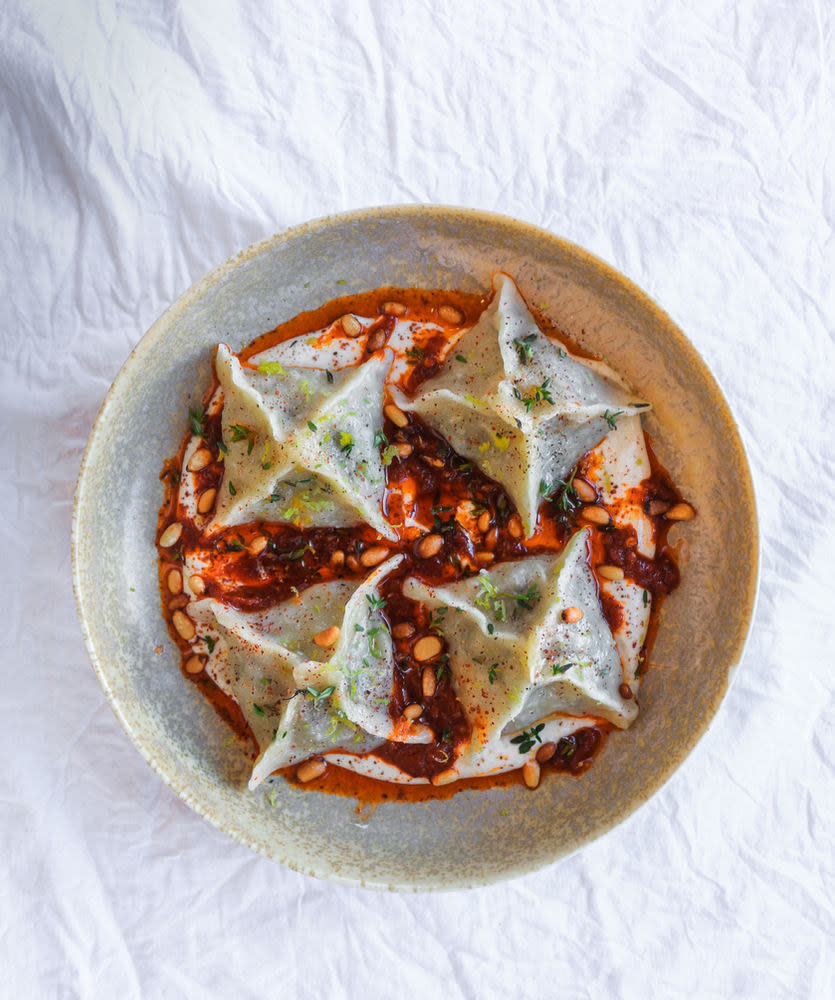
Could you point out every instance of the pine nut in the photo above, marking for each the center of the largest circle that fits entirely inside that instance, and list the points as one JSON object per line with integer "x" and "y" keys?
{"x": 546, "y": 752}
{"x": 514, "y": 527}
{"x": 197, "y": 585}
{"x": 375, "y": 341}
{"x": 412, "y": 712}
{"x": 427, "y": 647}
{"x": 530, "y": 773}
{"x": 595, "y": 515}
{"x": 491, "y": 539}
{"x": 310, "y": 770}
{"x": 183, "y": 625}
{"x": 257, "y": 545}
{"x": 403, "y": 630}
{"x": 484, "y": 522}
{"x": 484, "y": 557}
{"x": 451, "y": 315}
{"x": 572, "y": 615}
{"x": 584, "y": 489}
{"x": 428, "y": 682}
{"x": 199, "y": 460}
{"x": 194, "y": 664}
{"x": 436, "y": 463}
{"x": 206, "y": 501}
{"x": 625, "y": 691}
{"x": 337, "y": 559}
{"x": 428, "y": 546}
{"x": 396, "y": 415}
{"x": 656, "y": 507}
{"x": 171, "y": 535}
{"x": 610, "y": 572}
{"x": 371, "y": 557}
{"x": 352, "y": 563}
{"x": 445, "y": 777}
{"x": 680, "y": 512}
{"x": 351, "y": 325}
{"x": 327, "y": 637}
{"x": 174, "y": 581}
{"x": 404, "y": 450}
{"x": 393, "y": 308}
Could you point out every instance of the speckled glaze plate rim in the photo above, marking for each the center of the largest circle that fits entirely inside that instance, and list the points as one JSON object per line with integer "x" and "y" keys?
{"x": 493, "y": 873}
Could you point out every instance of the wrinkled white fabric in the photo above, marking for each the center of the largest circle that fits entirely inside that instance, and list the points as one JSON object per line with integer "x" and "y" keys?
{"x": 691, "y": 145}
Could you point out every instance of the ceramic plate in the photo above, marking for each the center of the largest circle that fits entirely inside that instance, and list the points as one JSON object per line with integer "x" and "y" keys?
{"x": 476, "y": 837}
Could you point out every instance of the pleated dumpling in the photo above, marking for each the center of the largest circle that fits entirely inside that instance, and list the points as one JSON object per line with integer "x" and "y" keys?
{"x": 301, "y": 444}
{"x": 516, "y": 403}
{"x": 513, "y": 659}
{"x": 299, "y": 697}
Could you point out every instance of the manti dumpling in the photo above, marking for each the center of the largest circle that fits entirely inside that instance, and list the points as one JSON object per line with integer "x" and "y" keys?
{"x": 301, "y": 444}
{"x": 517, "y": 404}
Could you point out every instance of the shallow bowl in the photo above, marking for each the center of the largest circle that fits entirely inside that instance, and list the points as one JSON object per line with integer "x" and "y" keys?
{"x": 476, "y": 837}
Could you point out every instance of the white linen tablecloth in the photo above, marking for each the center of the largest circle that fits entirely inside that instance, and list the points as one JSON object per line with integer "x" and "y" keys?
{"x": 691, "y": 145}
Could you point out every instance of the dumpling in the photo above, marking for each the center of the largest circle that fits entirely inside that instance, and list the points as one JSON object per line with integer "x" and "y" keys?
{"x": 298, "y": 697}
{"x": 301, "y": 446}
{"x": 520, "y": 406}
{"x": 513, "y": 659}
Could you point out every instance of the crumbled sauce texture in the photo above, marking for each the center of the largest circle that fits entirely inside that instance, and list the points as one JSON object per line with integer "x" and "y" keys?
{"x": 444, "y": 483}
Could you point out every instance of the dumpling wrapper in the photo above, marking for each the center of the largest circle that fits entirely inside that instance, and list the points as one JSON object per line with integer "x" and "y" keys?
{"x": 301, "y": 448}
{"x": 268, "y": 661}
{"x": 480, "y": 407}
{"x": 541, "y": 665}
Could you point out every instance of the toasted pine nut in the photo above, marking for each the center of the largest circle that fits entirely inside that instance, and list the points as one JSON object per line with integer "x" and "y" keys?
{"x": 197, "y": 584}
{"x": 393, "y": 308}
{"x": 625, "y": 691}
{"x": 610, "y": 572}
{"x": 396, "y": 415}
{"x": 206, "y": 501}
{"x": 194, "y": 664}
{"x": 572, "y": 615}
{"x": 595, "y": 515}
{"x": 376, "y": 554}
{"x": 428, "y": 682}
{"x": 584, "y": 489}
{"x": 514, "y": 527}
{"x": 310, "y": 770}
{"x": 351, "y": 325}
{"x": 656, "y": 507}
{"x": 491, "y": 539}
{"x": 183, "y": 625}
{"x": 327, "y": 637}
{"x": 484, "y": 521}
{"x": 404, "y": 449}
{"x": 375, "y": 341}
{"x": 546, "y": 752}
{"x": 352, "y": 563}
{"x": 180, "y": 601}
{"x": 199, "y": 460}
{"x": 428, "y": 546}
{"x": 445, "y": 777}
{"x": 530, "y": 773}
{"x": 427, "y": 647}
{"x": 337, "y": 559}
{"x": 174, "y": 581}
{"x": 257, "y": 545}
{"x": 413, "y": 711}
{"x": 402, "y": 630}
{"x": 436, "y": 463}
{"x": 680, "y": 512}
{"x": 451, "y": 315}
{"x": 171, "y": 535}
{"x": 484, "y": 557}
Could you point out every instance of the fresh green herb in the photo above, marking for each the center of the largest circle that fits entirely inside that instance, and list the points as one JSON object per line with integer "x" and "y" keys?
{"x": 539, "y": 394}
{"x": 446, "y": 735}
{"x": 312, "y": 426}
{"x": 389, "y": 453}
{"x": 258, "y": 709}
{"x": 329, "y": 377}
{"x": 461, "y": 358}
{"x": 436, "y": 618}
{"x": 235, "y": 544}
{"x": 561, "y": 352}
{"x": 380, "y": 439}
{"x": 241, "y": 432}
{"x": 561, "y": 668}
{"x": 300, "y": 553}
{"x": 566, "y": 747}
{"x": 610, "y": 418}
{"x": 232, "y": 489}
{"x": 318, "y": 696}
{"x": 491, "y": 673}
{"x": 442, "y": 669}
{"x": 346, "y": 442}
{"x": 414, "y": 355}
{"x": 210, "y": 642}
{"x": 197, "y": 419}
{"x": 375, "y": 603}
{"x": 275, "y": 497}
{"x": 440, "y": 525}
{"x": 523, "y": 347}
{"x": 490, "y": 628}
{"x": 527, "y": 598}
{"x": 646, "y": 598}
{"x": 525, "y": 740}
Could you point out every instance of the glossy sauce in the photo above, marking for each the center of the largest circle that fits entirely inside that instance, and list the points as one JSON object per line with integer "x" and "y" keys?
{"x": 451, "y": 494}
